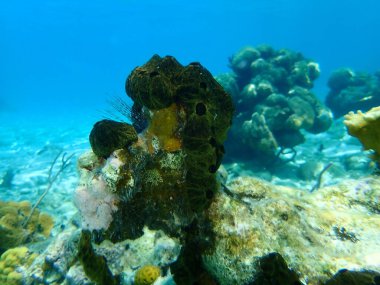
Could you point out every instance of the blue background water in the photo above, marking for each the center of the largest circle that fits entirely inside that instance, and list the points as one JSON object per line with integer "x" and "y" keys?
{"x": 63, "y": 57}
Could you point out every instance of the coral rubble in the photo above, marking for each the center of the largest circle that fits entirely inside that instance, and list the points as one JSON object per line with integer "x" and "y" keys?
{"x": 271, "y": 91}
{"x": 351, "y": 91}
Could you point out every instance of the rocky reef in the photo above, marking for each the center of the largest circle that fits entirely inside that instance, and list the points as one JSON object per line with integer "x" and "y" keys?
{"x": 317, "y": 233}
{"x": 352, "y": 91}
{"x": 154, "y": 206}
{"x": 271, "y": 91}
{"x": 262, "y": 234}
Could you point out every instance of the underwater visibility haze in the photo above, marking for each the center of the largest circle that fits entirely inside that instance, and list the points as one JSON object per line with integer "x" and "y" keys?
{"x": 209, "y": 142}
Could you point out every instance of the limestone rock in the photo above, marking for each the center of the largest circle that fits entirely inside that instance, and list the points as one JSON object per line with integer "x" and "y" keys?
{"x": 317, "y": 233}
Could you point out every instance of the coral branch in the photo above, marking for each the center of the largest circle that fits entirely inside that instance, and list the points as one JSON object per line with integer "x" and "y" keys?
{"x": 65, "y": 161}
{"x": 319, "y": 180}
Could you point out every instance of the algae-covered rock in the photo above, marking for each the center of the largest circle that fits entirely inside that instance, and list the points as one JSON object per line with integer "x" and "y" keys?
{"x": 55, "y": 261}
{"x": 59, "y": 262}
{"x": 94, "y": 265}
{"x": 316, "y": 233}
{"x": 347, "y": 277}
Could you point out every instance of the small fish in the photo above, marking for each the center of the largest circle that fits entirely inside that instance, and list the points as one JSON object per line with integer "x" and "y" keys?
{"x": 7, "y": 179}
{"x": 366, "y": 98}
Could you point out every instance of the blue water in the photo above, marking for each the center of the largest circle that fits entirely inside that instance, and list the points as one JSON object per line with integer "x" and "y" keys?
{"x": 66, "y": 57}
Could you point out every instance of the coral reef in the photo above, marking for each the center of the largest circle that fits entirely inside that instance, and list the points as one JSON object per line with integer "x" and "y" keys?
{"x": 154, "y": 210}
{"x": 351, "y": 91}
{"x": 12, "y": 230}
{"x": 316, "y": 233}
{"x": 366, "y": 127}
{"x": 263, "y": 233}
{"x": 271, "y": 91}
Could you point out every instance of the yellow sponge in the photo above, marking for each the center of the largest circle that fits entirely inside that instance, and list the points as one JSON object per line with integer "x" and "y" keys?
{"x": 147, "y": 275}
{"x": 366, "y": 127}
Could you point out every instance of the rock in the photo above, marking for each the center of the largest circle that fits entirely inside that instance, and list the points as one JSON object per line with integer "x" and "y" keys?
{"x": 347, "y": 277}
{"x": 316, "y": 233}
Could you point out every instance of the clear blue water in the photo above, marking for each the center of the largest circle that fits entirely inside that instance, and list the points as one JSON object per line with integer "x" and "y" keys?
{"x": 69, "y": 56}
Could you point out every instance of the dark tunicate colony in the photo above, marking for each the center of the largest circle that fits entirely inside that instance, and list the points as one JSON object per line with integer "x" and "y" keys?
{"x": 271, "y": 91}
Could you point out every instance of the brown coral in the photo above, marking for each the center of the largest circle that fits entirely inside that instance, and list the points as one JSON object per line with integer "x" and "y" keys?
{"x": 12, "y": 217}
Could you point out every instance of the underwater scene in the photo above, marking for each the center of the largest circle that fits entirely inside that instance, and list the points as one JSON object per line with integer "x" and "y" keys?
{"x": 190, "y": 143}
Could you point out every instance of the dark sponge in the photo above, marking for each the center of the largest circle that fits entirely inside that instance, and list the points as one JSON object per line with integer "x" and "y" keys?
{"x": 107, "y": 136}
{"x": 272, "y": 269}
{"x": 150, "y": 85}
